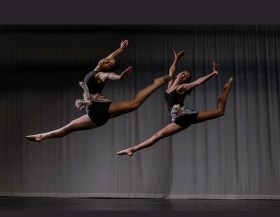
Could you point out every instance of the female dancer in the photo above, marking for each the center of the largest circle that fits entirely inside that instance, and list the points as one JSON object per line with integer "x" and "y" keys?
{"x": 99, "y": 108}
{"x": 96, "y": 79}
{"x": 182, "y": 116}
{"x": 99, "y": 112}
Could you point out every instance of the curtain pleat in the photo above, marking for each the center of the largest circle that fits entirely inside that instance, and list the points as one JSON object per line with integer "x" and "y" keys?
{"x": 236, "y": 156}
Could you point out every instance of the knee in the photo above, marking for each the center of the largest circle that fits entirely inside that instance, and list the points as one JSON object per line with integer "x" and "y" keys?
{"x": 157, "y": 136}
{"x": 66, "y": 131}
{"x": 220, "y": 112}
{"x": 134, "y": 105}
{"x": 68, "y": 128}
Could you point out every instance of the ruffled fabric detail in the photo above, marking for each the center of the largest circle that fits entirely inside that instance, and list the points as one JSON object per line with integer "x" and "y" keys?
{"x": 178, "y": 110}
{"x": 89, "y": 98}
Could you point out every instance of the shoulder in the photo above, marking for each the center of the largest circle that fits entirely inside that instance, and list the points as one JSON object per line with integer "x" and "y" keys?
{"x": 185, "y": 88}
{"x": 171, "y": 89}
{"x": 100, "y": 77}
{"x": 99, "y": 74}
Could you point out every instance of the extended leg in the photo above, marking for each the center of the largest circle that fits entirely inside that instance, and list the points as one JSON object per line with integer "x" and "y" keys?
{"x": 120, "y": 108}
{"x": 168, "y": 130}
{"x": 207, "y": 115}
{"x": 81, "y": 123}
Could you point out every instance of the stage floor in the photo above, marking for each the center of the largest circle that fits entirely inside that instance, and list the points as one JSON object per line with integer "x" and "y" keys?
{"x": 102, "y": 204}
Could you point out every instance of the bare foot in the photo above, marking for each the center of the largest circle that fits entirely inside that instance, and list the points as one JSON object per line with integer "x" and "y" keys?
{"x": 35, "y": 138}
{"x": 125, "y": 152}
{"x": 229, "y": 83}
{"x": 163, "y": 80}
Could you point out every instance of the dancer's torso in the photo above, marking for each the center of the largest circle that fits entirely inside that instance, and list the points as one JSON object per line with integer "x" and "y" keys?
{"x": 174, "y": 98}
{"x": 93, "y": 85}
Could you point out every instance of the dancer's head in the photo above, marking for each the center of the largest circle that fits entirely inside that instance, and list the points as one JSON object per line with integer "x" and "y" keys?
{"x": 184, "y": 76}
{"x": 107, "y": 64}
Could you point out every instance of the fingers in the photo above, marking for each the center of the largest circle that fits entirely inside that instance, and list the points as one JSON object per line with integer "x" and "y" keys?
{"x": 129, "y": 68}
{"x": 124, "y": 44}
{"x": 126, "y": 72}
{"x": 179, "y": 54}
{"x": 215, "y": 66}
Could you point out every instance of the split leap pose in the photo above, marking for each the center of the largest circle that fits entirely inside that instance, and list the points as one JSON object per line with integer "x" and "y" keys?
{"x": 99, "y": 112}
{"x": 99, "y": 108}
{"x": 182, "y": 116}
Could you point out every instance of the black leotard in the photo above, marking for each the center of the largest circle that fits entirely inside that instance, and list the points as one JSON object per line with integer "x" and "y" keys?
{"x": 174, "y": 98}
{"x": 92, "y": 84}
{"x": 97, "y": 111}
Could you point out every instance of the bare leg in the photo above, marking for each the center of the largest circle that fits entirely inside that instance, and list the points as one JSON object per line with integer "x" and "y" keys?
{"x": 207, "y": 115}
{"x": 81, "y": 123}
{"x": 120, "y": 108}
{"x": 173, "y": 128}
{"x": 168, "y": 130}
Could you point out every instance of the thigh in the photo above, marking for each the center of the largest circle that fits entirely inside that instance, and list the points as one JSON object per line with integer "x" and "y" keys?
{"x": 169, "y": 130}
{"x": 206, "y": 115}
{"x": 81, "y": 123}
{"x": 119, "y": 108}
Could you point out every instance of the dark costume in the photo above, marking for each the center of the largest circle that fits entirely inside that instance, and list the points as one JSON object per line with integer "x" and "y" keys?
{"x": 93, "y": 85}
{"x": 180, "y": 114}
{"x": 96, "y": 105}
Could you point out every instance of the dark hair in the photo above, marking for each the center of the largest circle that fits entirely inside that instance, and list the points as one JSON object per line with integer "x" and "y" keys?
{"x": 191, "y": 74}
{"x": 190, "y": 91}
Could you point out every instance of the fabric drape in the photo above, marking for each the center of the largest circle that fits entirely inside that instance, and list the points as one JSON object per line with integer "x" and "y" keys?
{"x": 236, "y": 156}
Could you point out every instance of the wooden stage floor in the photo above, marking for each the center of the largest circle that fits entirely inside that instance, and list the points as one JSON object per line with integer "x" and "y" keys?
{"x": 109, "y": 204}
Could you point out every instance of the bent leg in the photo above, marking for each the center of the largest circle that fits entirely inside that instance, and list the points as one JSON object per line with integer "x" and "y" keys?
{"x": 168, "y": 130}
{"x": 221, "y": 105}
{"x": 81, "y": 123}
{"x": 119, "y": 108}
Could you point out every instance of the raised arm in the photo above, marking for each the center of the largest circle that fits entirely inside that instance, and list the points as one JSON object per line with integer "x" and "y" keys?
{"x": 173, "y": 67}
{"x": 122, "y": 47}
{"x": 114, "y": 76}
{"x": 200, "y": 80}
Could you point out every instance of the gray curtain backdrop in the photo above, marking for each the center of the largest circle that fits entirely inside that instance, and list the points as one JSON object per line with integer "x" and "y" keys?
{"x": 236, "y": 156}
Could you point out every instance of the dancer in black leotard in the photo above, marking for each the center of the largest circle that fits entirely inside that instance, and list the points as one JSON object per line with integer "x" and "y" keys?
{"x": 99, "y": 108}
{"x": 182, "y": 116}
{"x": 96, "y": 79}
{"x": 100, "y": 112}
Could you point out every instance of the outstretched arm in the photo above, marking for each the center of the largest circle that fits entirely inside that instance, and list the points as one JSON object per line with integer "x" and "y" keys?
{"x": 115, "y": 76}
{"x": 122, "y": 47}
{"x": 173, "y": 67}
{"x": 201, "y": 80}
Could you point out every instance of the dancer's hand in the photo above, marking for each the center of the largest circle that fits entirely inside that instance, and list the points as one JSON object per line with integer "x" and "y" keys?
{"x": 124, "y": 44}
{"x": 179, "y": 55}
{"x": 215, "y": 68}
{"x": 126, "y": 73}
